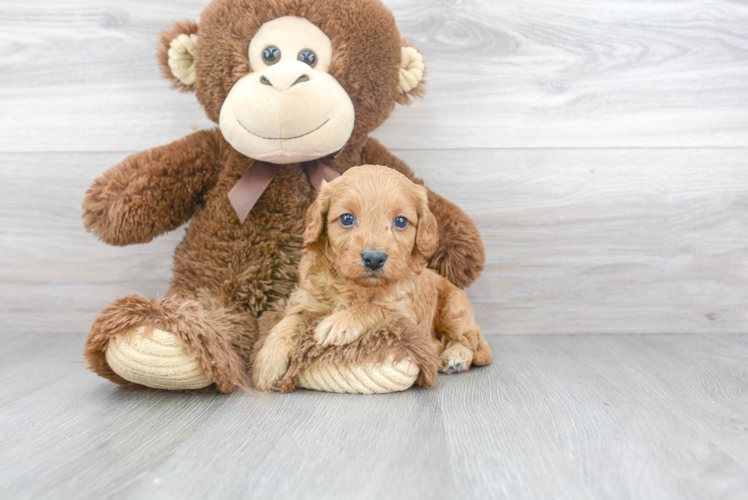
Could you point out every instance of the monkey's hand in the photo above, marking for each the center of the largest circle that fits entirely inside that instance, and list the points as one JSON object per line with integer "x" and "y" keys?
{"x": 460, "y": 254}
{"x": 151, "y": 192}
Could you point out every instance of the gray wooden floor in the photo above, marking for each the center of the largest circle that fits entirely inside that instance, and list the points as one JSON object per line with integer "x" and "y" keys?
{"x": 577, "y": 416}
{"x": 602, "y": 147}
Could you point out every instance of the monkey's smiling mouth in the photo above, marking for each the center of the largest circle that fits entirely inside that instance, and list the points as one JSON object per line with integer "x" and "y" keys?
{"x": 282, "y": 138}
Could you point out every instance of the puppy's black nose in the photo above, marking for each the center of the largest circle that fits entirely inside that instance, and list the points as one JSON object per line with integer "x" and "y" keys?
{"x": 373, "y": 259}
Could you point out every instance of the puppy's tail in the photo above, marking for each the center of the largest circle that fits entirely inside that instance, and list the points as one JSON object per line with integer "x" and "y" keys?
{"x": 484, "y": 354}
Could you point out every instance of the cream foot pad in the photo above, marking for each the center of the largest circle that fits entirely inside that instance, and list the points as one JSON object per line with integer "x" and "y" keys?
{"x": 159, "y": 361}
{"x": 369, "y": 378}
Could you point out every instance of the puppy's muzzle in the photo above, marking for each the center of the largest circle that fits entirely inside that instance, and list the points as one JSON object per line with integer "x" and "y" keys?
{"x": 373, "y": 259}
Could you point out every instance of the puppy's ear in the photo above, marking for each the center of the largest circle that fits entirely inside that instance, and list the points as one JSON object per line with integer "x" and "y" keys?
{"x": 176, "y": 54}
{"x": 427, "y": 231}
{"x": 316, "y": 215}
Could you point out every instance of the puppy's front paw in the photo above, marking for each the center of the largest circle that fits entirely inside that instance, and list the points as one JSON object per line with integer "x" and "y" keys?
{"x": 269, "y": 367}
{"x": 337, "y": 329}
{"x": 455, "y": 358}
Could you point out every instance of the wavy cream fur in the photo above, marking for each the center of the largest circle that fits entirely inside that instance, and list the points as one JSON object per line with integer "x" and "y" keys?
{"x": 345, "y": 300}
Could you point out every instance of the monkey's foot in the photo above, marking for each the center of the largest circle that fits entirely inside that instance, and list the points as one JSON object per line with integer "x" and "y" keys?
{"x": 362, "y": 378}
{"x": 158, "y": 360}
{"x": 173, "y": 344}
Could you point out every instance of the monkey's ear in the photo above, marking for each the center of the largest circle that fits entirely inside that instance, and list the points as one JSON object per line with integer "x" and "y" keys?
{"x": 412, "y": 70}
{"x": 176, "y": 54}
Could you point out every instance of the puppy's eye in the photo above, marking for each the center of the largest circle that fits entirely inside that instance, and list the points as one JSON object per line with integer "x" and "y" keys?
{"x": 347, "y": 220}
{"x": 271, "y": 55}
{"x": 308, "y": 56}
{"x": 401, "y": 222}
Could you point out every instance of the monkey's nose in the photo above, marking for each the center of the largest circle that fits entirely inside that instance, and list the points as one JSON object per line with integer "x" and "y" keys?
{"x": 373, "y": 259}
{"x": 301, "y": 79}
{"x": 283, "y": 76}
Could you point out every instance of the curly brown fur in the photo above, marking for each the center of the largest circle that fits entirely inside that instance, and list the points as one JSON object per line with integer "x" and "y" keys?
{"x": 459, "y": 255}
{"x": 153, "y": 191}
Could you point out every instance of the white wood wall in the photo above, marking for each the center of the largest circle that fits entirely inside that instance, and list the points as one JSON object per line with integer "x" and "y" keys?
{"x": 601, "y": 146}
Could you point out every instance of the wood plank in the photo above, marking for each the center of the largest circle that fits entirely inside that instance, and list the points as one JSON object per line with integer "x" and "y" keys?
{"x": 588, "y": 417}
{"x": 32, "y": 361}
{"x": 578, "y": 241}
{"x": 313, "y": 445}
{"x": 553, "y": 417}
{"x": 83, "y": 437}
{"x": 55, "y": 277}
{"x": 82, "y": 77}
{"x": 604, "y": 241}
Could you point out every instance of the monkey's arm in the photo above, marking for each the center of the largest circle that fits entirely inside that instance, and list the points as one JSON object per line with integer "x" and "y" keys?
{"x": 153, "y": 191}
{"x": 460, "y": 254}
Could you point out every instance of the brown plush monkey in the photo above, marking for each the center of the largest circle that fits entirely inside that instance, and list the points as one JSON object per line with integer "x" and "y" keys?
{"x": 296, "y": 86}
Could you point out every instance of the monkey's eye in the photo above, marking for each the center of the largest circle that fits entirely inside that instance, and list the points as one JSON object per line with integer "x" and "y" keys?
{"x": 401, "y": 222}
{"x": 347, "y": 220}
{"x": 271, "y": 55}
{"x": 308, "y": 56}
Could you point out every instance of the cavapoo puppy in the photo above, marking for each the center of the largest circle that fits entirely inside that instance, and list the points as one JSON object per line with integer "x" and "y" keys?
{"x": 367, "y": 240}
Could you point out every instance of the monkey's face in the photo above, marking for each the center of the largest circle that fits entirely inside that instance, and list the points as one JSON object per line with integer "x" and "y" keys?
{"x": 293, "y": 80}
{"x": 288, "y": 109}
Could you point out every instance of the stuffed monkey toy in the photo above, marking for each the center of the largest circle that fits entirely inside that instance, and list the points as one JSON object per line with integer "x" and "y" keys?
{"x": 295, "y": 87}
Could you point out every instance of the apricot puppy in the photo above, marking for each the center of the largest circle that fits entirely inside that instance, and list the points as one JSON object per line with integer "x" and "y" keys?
{"x": 367, "y": 240}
